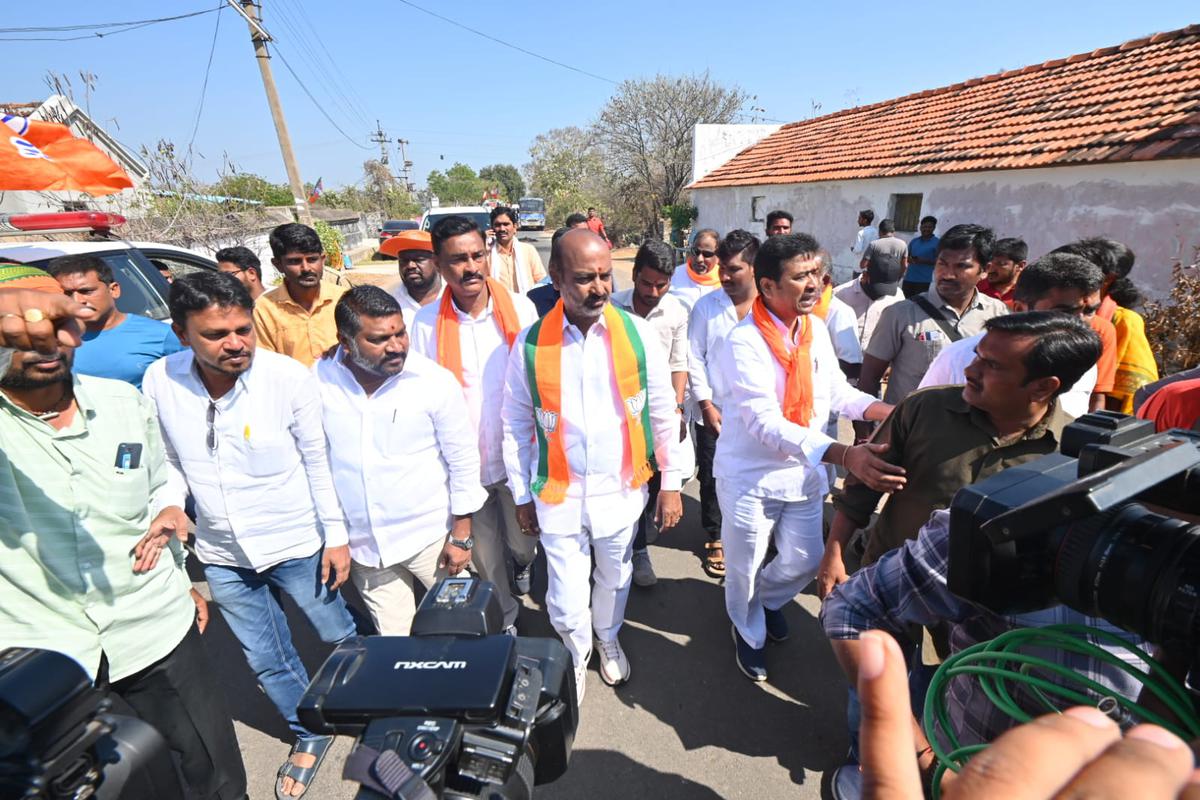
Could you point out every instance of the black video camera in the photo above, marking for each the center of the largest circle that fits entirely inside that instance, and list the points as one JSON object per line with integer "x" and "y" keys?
{"x": 58, "y": 739}
{"x": 457, "y": 710}
{"x": 1095, "y": 527}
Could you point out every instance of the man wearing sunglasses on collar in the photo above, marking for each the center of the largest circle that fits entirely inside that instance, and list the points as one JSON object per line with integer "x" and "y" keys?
{"x": 700, "y": 276}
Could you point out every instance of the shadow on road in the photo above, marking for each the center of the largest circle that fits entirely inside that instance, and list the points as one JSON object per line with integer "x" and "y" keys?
{"x": 604, "y": 773}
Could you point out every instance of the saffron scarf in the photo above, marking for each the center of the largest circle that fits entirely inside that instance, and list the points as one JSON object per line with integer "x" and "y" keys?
{"x": 543, "y": 366}
{"x": 705, "y": 279}
{"x": 449, "y": 343}
{"x": 1136, "y": 366}
{"x": 796, "y": 362}
{"x": 821, "y": 309}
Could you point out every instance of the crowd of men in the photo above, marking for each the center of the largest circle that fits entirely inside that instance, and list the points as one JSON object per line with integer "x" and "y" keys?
{"x": 492, "y": 406}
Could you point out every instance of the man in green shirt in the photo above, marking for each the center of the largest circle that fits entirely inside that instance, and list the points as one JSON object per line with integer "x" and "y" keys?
{"x": 81, "y": 462}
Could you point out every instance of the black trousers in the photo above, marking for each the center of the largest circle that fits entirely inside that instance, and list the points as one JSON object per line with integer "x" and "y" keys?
{"x": 710, "y": 510}
{"x": 181, "y": 697}
{"x": 647, "y": 518}
{"x": 910, "y": 288}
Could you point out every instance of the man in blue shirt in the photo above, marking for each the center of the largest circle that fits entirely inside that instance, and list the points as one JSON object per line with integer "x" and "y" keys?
{"x": 115, "y": 344}
{"x": 922, "y": 255}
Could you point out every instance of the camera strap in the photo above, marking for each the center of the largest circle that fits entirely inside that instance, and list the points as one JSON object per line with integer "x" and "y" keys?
{"x": 385, "y": 773}
{"x": 936, "y": 315}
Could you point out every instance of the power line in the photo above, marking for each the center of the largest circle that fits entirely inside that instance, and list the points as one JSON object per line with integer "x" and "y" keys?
{"x": 351, "y": 94}
{"x": 489, "y": 37}
{"x": 324, "y": 78}
{"x": 324, "y": 113}
{"x": 212, "y": 49}
{"x": 120, "y": 27}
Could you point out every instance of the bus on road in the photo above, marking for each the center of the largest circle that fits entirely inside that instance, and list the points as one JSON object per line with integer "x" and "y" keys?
{"x": 532, "y": 213}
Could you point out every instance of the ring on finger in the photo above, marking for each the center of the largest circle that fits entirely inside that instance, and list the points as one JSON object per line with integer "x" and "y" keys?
{"x": 34, "y": 315}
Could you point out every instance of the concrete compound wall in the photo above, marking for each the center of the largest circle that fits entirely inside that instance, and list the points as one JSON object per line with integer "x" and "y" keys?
{"x": 1154, "y": 207}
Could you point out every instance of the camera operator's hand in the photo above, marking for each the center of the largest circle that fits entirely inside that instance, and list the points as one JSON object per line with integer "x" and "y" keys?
{"x": 864, "y": 462}
{"x": 669, "y": 510}
{"x": 201, "y": 610}
{"x": 170, "y": 522}
{"x": 36, "y": 320}
{"x": 527, "y": 519}
{"x": 1079, "y": 753}
{"x": 335, "y": 561}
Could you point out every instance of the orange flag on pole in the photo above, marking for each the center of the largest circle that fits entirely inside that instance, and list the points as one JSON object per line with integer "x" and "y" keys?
{"x": 44, "y": 156}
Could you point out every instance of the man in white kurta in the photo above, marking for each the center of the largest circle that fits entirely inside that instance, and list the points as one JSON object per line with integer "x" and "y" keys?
{"x": 770, "y": 480}
{"x": 403, "y": 455}
{"x": 482, "y": 360}
{"x": 599, "y": 513}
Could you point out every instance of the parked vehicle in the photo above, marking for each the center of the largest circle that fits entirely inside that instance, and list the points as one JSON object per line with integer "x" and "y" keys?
{"x": 480, "y": 214}
{"x": 532, "y": 213}
{"x": 395, "y": 226}
{"x": 135, "y": 265}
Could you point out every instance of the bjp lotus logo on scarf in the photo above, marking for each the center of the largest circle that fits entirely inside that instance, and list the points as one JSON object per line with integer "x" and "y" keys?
{"x": 636, "y": 403}
{"x": 547, "y": 420}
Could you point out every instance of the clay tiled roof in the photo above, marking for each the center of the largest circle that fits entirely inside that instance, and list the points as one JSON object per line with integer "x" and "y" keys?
{"x": 1134, "y": 102}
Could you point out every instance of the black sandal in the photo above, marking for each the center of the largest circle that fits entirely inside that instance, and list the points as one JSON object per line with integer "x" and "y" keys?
{"x": 305, "y": 775}
{"x": 714, "y": 560}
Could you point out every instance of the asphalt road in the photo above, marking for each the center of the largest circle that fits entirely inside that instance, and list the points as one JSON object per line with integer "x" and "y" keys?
{"x": 687, "y": 726}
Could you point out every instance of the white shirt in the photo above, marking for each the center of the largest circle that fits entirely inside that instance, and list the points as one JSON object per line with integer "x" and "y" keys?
{"x": 484, "y": 353}
{"x": 842, "y": 326}
{"x": 265, "y": 495}
{"x": 950, "y": 365}
{"x": 866, "y": 311}
{"x": 686, "y": 289}
{"x": 593, "y": 422}
{"x": 865, "y": 235}
{"x": 670, "y": 321}
{"x": 408, "y": 306}
{"x": 403, "y": 459}
{"x": 759, "y": 451}
{"x": 713, "y": 317}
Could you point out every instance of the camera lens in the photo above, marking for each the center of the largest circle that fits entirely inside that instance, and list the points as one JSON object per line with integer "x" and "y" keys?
{"x": 1138, "y": 569}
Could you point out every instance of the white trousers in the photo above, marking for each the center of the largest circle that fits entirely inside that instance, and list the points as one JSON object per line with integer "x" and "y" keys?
{"x": 746, "y": 525}
{"x": 390, "y": 592}
{"x": 496, "y": 533}
{"x": 568, "y": 562}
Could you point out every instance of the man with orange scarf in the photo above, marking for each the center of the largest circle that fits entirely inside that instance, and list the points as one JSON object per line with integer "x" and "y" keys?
{"x": 699, "y": 275}
{"x": 589, "y": 413}
{"x": 469, "y": 332}
{"x": 784, "y": 381}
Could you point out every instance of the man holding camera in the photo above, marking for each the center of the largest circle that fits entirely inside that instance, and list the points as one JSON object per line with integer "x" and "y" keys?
{"x": 589, "y": 412}
{"x": 85, "y": 520}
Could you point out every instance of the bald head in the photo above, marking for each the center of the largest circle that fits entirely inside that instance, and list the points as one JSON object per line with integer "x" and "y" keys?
{"x": 582, "y": 271}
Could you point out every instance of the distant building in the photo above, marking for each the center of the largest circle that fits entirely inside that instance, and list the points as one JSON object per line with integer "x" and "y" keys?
{"x": 59, "y": 108}
{"x": 1106, "y": 142}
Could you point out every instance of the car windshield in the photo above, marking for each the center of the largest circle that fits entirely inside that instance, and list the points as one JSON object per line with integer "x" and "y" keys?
{"x": 399, "y": 225}
{"x": 138, "y": 292}
{"x": 532, "y": 204}
{"x": 480, "y": 218}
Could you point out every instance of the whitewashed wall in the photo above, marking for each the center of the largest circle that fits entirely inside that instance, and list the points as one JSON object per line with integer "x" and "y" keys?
{"x": 1154, "y": 207}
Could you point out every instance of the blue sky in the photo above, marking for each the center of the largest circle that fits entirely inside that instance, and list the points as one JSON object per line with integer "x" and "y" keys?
{"x": 458, "y": 97}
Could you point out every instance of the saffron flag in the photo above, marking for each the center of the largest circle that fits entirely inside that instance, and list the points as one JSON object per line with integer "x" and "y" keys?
{"x": 45, "y": 156}
{"x": 317, "y": 189}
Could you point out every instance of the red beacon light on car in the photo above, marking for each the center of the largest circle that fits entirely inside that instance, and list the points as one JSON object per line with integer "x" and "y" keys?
{"x": 60, "y": 222}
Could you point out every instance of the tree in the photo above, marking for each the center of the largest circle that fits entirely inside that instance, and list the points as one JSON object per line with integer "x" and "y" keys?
{"x": 248, "y": 186}
{"x": 645, "y": 131}
{"x": 506, "y": 177}
{"x": 567, "y": 171}
{"x": 458, "y": 186}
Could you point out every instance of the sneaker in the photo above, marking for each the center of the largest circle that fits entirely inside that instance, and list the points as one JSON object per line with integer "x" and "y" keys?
{"x": 847, "y": 783}
{"x": 643, "y": 570}
{"x": 614, "y": 666}
{"x": 523, "y": 578}
{"x": 750, "y": 661}
{"x": 581, "y": 681}
{"x": 777, "y": 627}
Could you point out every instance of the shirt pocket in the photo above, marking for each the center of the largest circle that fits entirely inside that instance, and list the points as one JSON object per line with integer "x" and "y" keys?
{"x": 269, "y": 456}
{"x": 128, "y": 493}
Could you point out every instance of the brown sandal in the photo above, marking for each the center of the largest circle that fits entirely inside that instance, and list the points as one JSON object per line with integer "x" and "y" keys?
{"x": 714, "y": 560}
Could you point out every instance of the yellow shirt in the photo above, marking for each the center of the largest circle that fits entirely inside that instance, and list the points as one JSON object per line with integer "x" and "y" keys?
{"x": 504, "y": 270}
{"x": 283, "y": 325}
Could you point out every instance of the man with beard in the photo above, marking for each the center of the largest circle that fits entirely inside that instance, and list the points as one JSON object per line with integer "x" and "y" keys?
{"x": 699, "y": 275}
{"x": 1009, "y": 257}
{"x": 470, "y": 333}
{"x": 589, "y": 412}
{"x": 420, "y": 284}
{"x": 403, "y": 456}
{"x": 784, "y": 381}
{"x": 243, "y": 264}
{"x": 115, "y": 344}
{"x": 296, "y": 319}
{"x": 85, "y": 518}
{"x": 514, "y": 264}
{"x": 243, "y": 435}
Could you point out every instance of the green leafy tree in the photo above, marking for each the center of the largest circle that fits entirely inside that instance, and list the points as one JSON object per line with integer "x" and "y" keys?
{"x": 248, "y": 186}
{"x": 566, "y": 170}
{"x": 506, "y": 178}
{"x": 457, "y": 186}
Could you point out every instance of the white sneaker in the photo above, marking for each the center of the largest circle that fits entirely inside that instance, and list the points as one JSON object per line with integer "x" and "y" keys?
{"x": 614, "y": 666}
{"x": 581, "y": 681}
{"x": 643, "y": 570}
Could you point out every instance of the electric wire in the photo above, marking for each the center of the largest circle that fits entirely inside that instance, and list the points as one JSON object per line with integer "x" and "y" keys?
{"x": 116, "y": 27}
{"x": 350, "y": 92}
{"x": 322, "y": 78}
{"x": 509, "y": 45}
{"x": 315, "y": 102}
{"x": 212, "y": 49}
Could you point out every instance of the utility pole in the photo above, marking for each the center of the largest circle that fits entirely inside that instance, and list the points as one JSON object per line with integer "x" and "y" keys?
{"x": 259, "y": 37}
{"x": 406, "y": 166}
{"x": 380, "y": 138}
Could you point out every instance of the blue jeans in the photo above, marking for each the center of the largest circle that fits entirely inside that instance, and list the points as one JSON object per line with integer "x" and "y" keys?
{"x": 249, "y": 603}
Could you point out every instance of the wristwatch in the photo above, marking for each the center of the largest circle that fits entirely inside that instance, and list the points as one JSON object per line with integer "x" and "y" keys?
{"x": 462, "y": 544}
